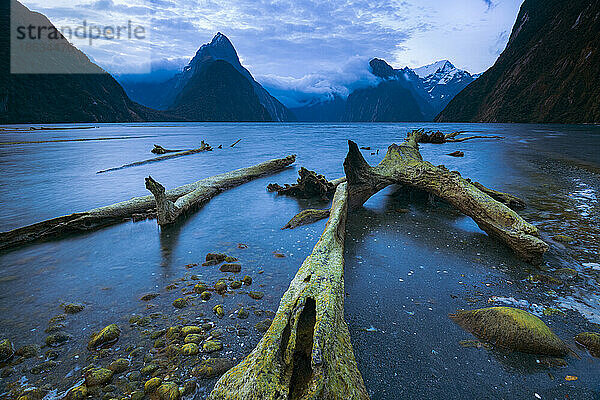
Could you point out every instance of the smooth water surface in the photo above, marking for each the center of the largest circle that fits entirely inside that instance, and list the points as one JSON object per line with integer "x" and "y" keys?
{"x": 405, "y": 271}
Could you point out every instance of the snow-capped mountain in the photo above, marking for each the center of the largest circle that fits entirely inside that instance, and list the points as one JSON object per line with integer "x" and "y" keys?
{"x": 443, "y": 81}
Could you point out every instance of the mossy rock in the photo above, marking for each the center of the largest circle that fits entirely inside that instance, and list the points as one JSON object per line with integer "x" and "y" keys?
{"x": 77, "y": 393}
{"x": 563, "y": 238}
{"x": 119, "y": 365}
{"x": 220, "y": 287}
{"x": 108, "y": 335}
{"x": 216, "y": 333}
{"x": 211, "y": 346}
{"x": 242, "y": 313}
{"x": 256, "y": 295}
{"x": 180, "y": 302}
{"x": 57, "y": 339}
{"x": 194, "y": 338}
{"x": 43, "y": 367}
{"x": 149, "y": 296}
{"x": 190, "y": 349}
{"x": 230, "y": 259}
{"x": 235, "y": 284}
{"x": 6, "y": 350}
{"x": 216, "y": 257}
{"x": 591, "y": 341}
{"x": 157, "y": 333}
{"x": 200, "y": 287}
{"x": 150, "y": 369}
{"x": 73, "y": 308}
{"x": 212, "y": 368}
{"x": 33, "y": 394}
{"x": 247, "y": 280}
{"x": 173, "y": 332}
{"x": 168, "y": 391}
{"x": 263, "y": 325}
{"x": 235, "y": 268}
{"x": 511, "y": 328}
{"x": 160, "y": 343}
{"x": 547, "y": 279}
{"x": 205, "y": 295}
{"x": 152, "y": 384}
{"x": 97, "y": 376}
{"x": 218, "y": 310}
{"x": 187, "y": 330}
{"x": 28, "y": 351}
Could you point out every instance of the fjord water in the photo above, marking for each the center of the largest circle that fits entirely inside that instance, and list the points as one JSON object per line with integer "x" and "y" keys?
{"x": 405, "y": 271}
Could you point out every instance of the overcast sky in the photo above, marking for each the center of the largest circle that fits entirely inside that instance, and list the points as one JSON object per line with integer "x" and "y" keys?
{"x": 289, "y": 40}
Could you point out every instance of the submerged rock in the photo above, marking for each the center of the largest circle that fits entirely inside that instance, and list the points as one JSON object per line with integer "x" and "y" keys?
{"x": 119, "y": 365}
{"x": 97, "y": 376}
{"x": 211, "y": 346}
{"x": 28, "y": 351}
{"x": 187, "y": 330}
{"x": 230, "y": 259}
{"x": 73, "y": 308}
{"x": 235, "y": 284}
{"x": 149, "y": 296}
{"x": 511, "y": 328}
{"x": 200, "y": 288}
{"x": 180, "y": 302}
{"x": 591, "y": 341}
{"x": 242, "y": 313}
{"x": 56, "y": 339}
{"x": 247, "y": 280}
{"x": 168, "y": 391}
{"x": 256, "y": 295}
{"x": 43, "y": 367}
{"x": 218, "y": 310}
{"x": 190, "y": 349}
{"x": 194, "y": 338}
{"x": 563, "y": 238}
{"x": 221, "y": 287}
{"x": 77, "y": 393}
{"x": 152, "y": 384}
{"x": 6, "y": 350}
{"x": 205, "y": 295}
{"x": 235, "y": 268}
{"x": 109, "y": 334}
{"x": 212, "y": 368}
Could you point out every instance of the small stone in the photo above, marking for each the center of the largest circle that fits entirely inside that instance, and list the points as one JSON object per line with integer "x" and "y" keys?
{"x": 55, "y": 327}
{"x": 135, "y": 319}
{"x": 168, "y": 391}
{"x": 28, "y": 351}
{"x": 190, "y": 349}
{"x": 187, "y": 330}
{"x": 194, "y": 338}
{"x": 119, "y": 365}
{"x": 216, "y": 257}
{"x": 73, "y": 308}
{"x": 77, "y": 393}
{"x": 205, "y": 296}
{"x": 235, "y": 268}
{"x": 173, "y": 332}
{"x": 51, "y": 354}
{"x": 563, "y": 238}
{"x": 152, "y": 384}
{"x": 150, "y": 369}
{"x": 109, "y": 389}
{"x": 212, "y": 368}
{"x": 195, "y": 277}
{"x": 189, "y": 388}
{"x": 211, "y": 346}
{"x": 263, "y": 326}
{"x": 56, "y": 339}
{"x": 242, "y": 313}
{"x": 6, "y": 350}
{"x": 591, "y": 341}
{"x": 200, "y": 287}
{"x": 43, "y": 367}
{"x": 256, "y": 295}
{"x": 218, "y": 310}
{"x": 134, "y": 376}
{"x": 235, "y": 284}
{"x": 247, "y": 280}
{"x": 145, "y": 321}
{"x": 230, "y": 259}
{"x": 149, "y": 296}
{"x": 220, "y": 287}
{"x": 97, "y": 376}
{"x": 180, "y": 302}
{"x": 216, "y": 333}
{"x": 207, "y": 326}
{"x": 108, "y": 335}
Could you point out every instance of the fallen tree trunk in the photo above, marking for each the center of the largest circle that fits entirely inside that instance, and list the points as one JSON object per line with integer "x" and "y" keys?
{"x": 309, "y": 185}
{"x": 306, "y": 353}
{"x": 438, "y": 137}
{"x": 403, "y": 164}
{"x": 161, "y": 150}
{"x": 115, "y": 213}
{"x": 203, "y": 147}
{"x": 463, "y": 139}
{"x": 306, "y": 217}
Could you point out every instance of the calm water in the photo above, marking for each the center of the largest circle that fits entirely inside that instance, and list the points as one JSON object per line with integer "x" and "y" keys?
{"x": 404, "y": 271}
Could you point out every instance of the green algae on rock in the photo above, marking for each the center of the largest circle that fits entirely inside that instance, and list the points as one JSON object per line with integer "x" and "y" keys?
{"x": 220, "y": 287}
{"x": 27, "y": 351}
{"x": 218, "y": 310}
{"x": 235, "y": 284}
{"x": 57, "y": 339}
{"x": 168, "y": 391}
{"x": 97, "y": 376}
{"x": 194, "y": 338}
{"x": 6, "y": 350}
{"x": 189, "y": 329}
{"x": 152, "y": 384}
{"x": 108, "y": 335}
{"x": 149, "y": 296}
{"x": 591, "y": 341}
{"x": 306, "y": 352}
{"x": 235, "y": 268}
{"x": 190, "y": 349}
{"x": 77, "y": 393}
{"x": 212, "y": 368}
{"x": 511, "y": 328}
{"x": 73, "y": 308}
{"x": 180, "y": 302}
{"x": 247, "y": 280}
{"x": 205, "y": 295}
{"x": 256, "y": 295}
{"x": 211, "y": 346}
{"x": 200, "y": 287}
{"x": 119, "y": 365}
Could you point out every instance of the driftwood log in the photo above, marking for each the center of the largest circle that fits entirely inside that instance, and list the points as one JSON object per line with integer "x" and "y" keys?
{"x": 161, "y": 150}
{"x": 438, "y": 137}
{"x": 203, "y": 147}
{"x": 115, "y": 213}
{"x": 306, "y": 353}
{"x": 309, "y": 185}
{"x": 403, "y": 164}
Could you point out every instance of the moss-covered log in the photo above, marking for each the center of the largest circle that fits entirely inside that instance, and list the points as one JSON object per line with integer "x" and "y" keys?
{"x": 203, "y": 147}
{"x": 309, "y": 185}
{"x": 306, "y": 217}
{"x": 403, "y": 164}
{"x": 306, "y": 353}
{"x": 115, "y": 213}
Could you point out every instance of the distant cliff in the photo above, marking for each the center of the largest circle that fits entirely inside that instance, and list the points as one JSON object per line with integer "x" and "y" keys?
{"x": 549, "y": 71}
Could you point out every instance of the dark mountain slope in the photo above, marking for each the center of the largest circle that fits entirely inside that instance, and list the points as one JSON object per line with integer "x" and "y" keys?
{"x": 549, "y": 71}
{"x": 218, "y": 92}
{"x": 90, "y": 96}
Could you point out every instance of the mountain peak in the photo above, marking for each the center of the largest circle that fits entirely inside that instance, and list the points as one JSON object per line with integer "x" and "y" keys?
{"x": 220, "y": 48}
{"x": 381, "y": 68}
{"x": 438, "y": 66}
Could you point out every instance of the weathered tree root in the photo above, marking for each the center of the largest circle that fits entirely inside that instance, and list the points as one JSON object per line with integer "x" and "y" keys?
{"x": 161, "y": 150}
{"x": 306, "y": 217}
{"x": 403, "y": 164}
{"x": 507, "y": 199}
{"x": 115, "y": 213}
{"x": 438, "y": 137}
{"x": 203, "y": 147}
{"x": 306, "y": 353}
{"x": 309, "y": 185}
